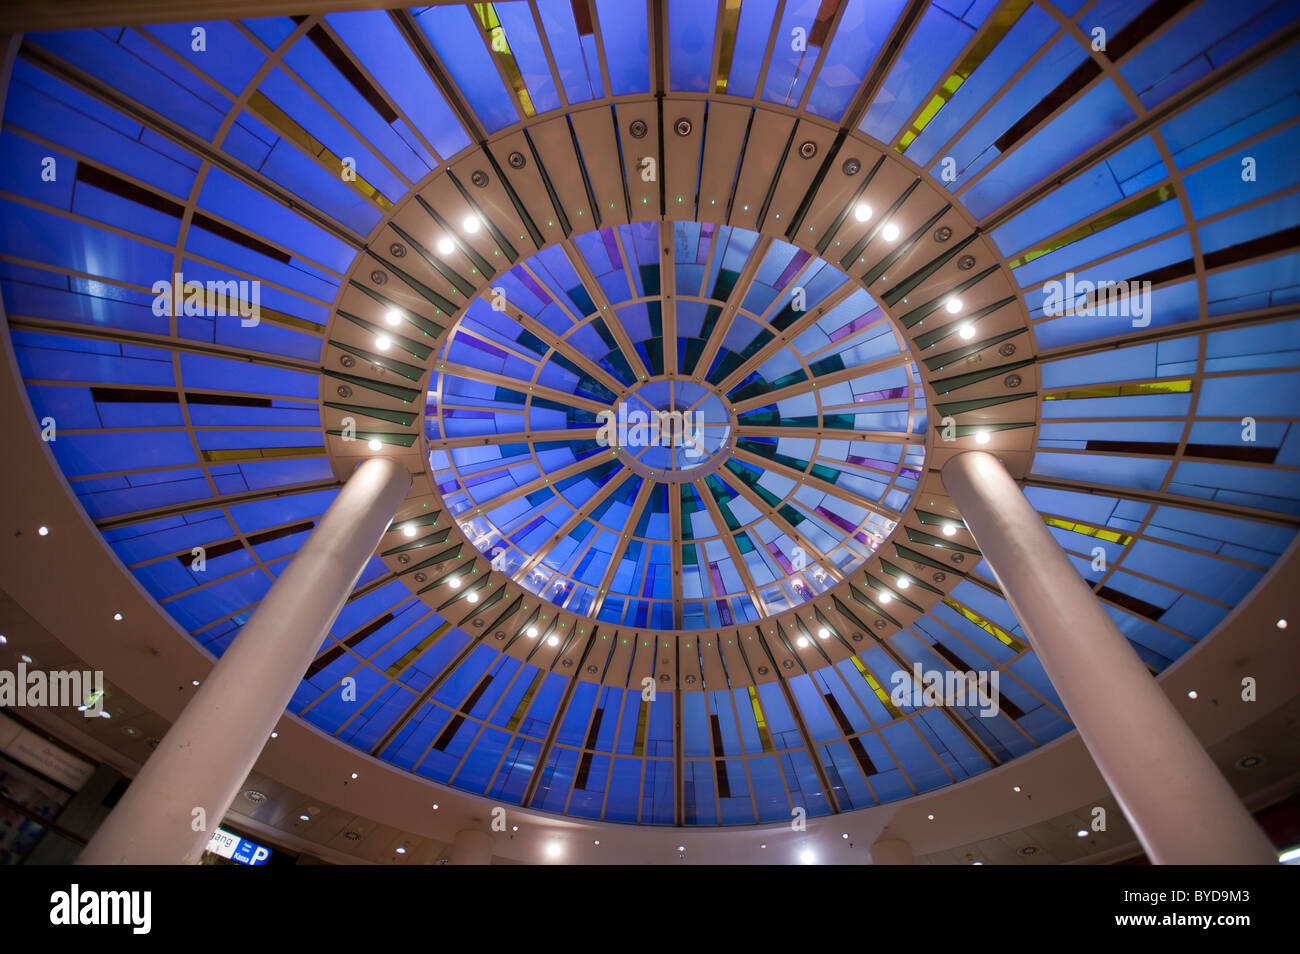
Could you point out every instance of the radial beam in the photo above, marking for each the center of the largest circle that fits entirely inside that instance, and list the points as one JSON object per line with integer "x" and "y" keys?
{"x": 514, "y": 437}
{"x": 723, "y": 324}
{"x": 576, "y": 518}
{"x": 604, "y": 310}
{"x": 832, "y": 433}
{"x": 800, "y": 388}
{"x": 811, "y": 480}
{"x": 514, "y": 384}
{"x": 720, "y": 525}
{"x": 616, "y": 558}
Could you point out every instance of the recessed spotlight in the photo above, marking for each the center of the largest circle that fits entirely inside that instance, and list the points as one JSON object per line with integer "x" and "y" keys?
{"x": 304, "y": 818}
{"x": 435, "y": 806}
{"x": 949, "y": 529}
{"x": 823, "y": 633}
{"x": 953, "y": 305}
{"x": 762, "y": 846}
{"x": 801, "y": 643}
{"x": 531, "y": 632}
{"x": 862, "y": 212}
{"x": 681, "y": 847}
{"x": 552, "y": 640}
{"x": 118, "y": 617}
{"x": 445, "y": 246}
{"x": 931, "y": 817}
{"x": 1082, "y": 833}
{"x": 514, "y": 827}
{"x": 275, "y": 735}
{"x": 966, "y": 332}
{"x": 354, "y": 774}
{"x": 194, "y": 682}
{"x": 473, "y": 597}
{"x": 470, "y": 224}
{"x": 886, "y": 598}
{"x": 408, "y": 531}
{"x": 890, "y": 233}
{"x": 981, "y": 437}
{"x": 807, "y": 857}
{"x": 393, "y": 317}
{"x": 375, "y": 444}
{"x": 845, "y": 836}
{"x": 26, "y": 658}
{"x": 902, "y": 584}
{"x": 454, "y": 582}
{"x": 977, "y": 862}
{"x": 553, "y": 849}
{"x": 1015, "y": 788}
{"x": 596, "y": 842}
{"x": 382, "y": 342}
{"x": 401, "y": 850}
{"x": 1193, "y": 694}
{"x": 43, "y": 531}
{"x": 106, "y": 714}
{"x": 3, "y": 639}
{"x": 1281, "y": 624}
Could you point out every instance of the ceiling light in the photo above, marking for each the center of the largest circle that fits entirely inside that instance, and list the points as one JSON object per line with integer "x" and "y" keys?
{"x": 401, "y": 850}
{"x": 514, "y": 827}
{"x": 762, "y": 846}
{"x": 681, "y": 847}
{"x": 953, "y": 305}
{"x": 862, "y": 212}
{"x": 966, "y": 332}
{"x": 354, "y": 774}
{"x": 931, "y": 817}
{"x": 823, "y": 633}
{"x": 382, "y": 342}
{"x": 445, "y": 246}
{"x": 531, "y": 632}
{"x": 435, "y": 806}
{"x": 890, "y": 233}
{"x": 473, "y": 597}
{"x": 454, "y": 582}
{"x": 408, "y": 531}
{"x": 981, "y": 437}
{"x": 275, "y": 735}
{"x": 885, "y": 598}
{"x": 1289, "y": 857}
{"x": 949, "y": 529}
{"x": 1015, "y": 788}
{"x": 470, "y": 224}
{"x": 1082, "y": 833}
{"x": 304, "y": 818}
{"x": 553, "y": 849}
{"x": 596, "y": 842}
{"x": 375, "y": 444}
{"x": 105, "y": 714}
{"x": 902, "y": 584}
{"x": 1192, "y": 694}
{"x": 553, "y": 641}
{"x": 1281, "y": 624}
{"x": 801, "y": 642}
{"x": 845, "y": 835}
{"x": 807, "y": 857}
{"x": 194, "y": 682}
{"x": 26, "y": 658}
{"x": 3, "y": 640}
{"x": 43, "y": 531}
{"x": 393, "y": 317}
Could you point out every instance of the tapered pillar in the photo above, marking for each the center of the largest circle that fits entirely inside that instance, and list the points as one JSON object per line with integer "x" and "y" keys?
{"x": 1179, "y": 804}
{"x": 891, "y": 851}
{"x": 207, "y": 754}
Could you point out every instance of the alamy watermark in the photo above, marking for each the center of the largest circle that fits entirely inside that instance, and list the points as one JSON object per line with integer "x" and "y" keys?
{"x": 931, "y": 687}
{"x": 637, "y": 428}
{"x": 1087, "y": 299}
{"x": 242, "y": 299}
{"x": 58, "y": 688}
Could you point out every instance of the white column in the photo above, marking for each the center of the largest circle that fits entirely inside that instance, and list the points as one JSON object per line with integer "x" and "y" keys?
{"x": 471, "y": 847}
{"x": 207, "y": 754}
{"x": 1178, "y": 802}
{"x": 891, "y": 851}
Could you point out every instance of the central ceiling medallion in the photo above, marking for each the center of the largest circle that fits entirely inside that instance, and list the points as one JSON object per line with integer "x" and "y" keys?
{"x": 670, "y": 430}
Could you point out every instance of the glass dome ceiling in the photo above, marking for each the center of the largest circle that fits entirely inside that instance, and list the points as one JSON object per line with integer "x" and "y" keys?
{"x": 1166, "y": 156}
{"x": 797, "y": 458}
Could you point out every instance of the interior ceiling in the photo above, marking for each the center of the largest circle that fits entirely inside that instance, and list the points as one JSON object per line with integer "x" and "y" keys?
{"x": 503, "y": 267}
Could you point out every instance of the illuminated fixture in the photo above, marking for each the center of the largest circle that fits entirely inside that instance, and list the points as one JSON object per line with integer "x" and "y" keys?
{"x": 435, "y": 806}
{"x": 890, "y": 233}
{"x": 903, "y": 584}
{"x": 885, "y": 598}
{"x": 981, "y": 437}
{"x": 473, "y": 597}
{"x": 408, "y": 531}
{"x": 681, "y": 847}
{"x": 931, "y": 817}
{"x": 1193, "y": 694}
{"x": 531, "y": 632}
{"x": 553, "y": 849}
{"x": 454, "y": 582}
{"x": 845, "y": 836}
{"x": 375, "y": 444}
{"x": 43, "y": 531}
{"x": 1082, "y": 833}
{"x": 953, "y": 305}
{"x": 596, "y": 842}
{"x": 275, "y": 735}
{"x": 304, "y": 818}
{"x": 3, "y": 640}
{"x": 862, "y": 212}
{"x": 823, "y": 633}
{"x": 354, "y": 774}
{"x": 967, "y": 332}
{"x": 401, "y": 850}
{"x": 26, "y": 658}
{"x": 1015, "y": 788}
{"x": 949, "y": 529}
{"x": 1281, "y": 624}
{"x": 117, "y": 616}
{"x": 553, "y": 641}
{"x": 445, "y": 247}
{"x": 382, "y": 342}
{"x": 807, "y": 857}
{"x": 393, "y": 317}
{"x": 801, "y": 642}
{"x": 470, "y": 224}
{"x": 194, "y": 682}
